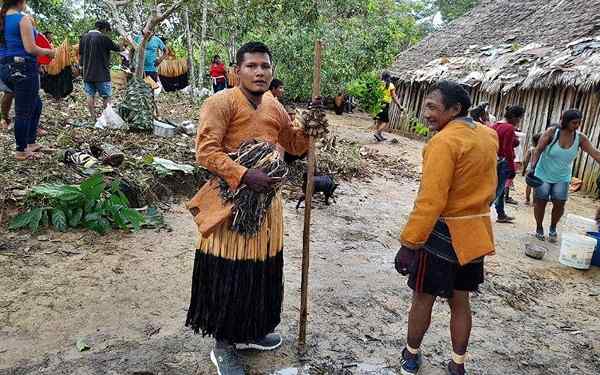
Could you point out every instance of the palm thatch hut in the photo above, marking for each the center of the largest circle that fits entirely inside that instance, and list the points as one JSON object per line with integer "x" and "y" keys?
{"x": 542, "y": 54}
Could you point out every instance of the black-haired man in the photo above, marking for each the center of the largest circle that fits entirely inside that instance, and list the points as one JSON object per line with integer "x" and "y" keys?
{"x": 94, "y": 51}
{"x": 276, "y": 88}
{"x": 449, "y": 230}
{"x": 237, "y": 282}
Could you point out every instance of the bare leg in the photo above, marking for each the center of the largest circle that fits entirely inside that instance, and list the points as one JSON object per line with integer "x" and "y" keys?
{"x": 106, "y": 102}
{"x": 91, "y": 104}
{"x": 5, "y": 105}
{"x": 419, "y": 318}
{"x": 528, "y": 194}
{"x": 460, "y": 326}
{"x": 460, "y": 321}
{"x": 558, "y": 210}
{"x": 539, "y": 211}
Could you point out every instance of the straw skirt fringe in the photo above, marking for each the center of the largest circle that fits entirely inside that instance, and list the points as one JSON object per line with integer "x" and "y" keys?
{"x": 237, "y": 282}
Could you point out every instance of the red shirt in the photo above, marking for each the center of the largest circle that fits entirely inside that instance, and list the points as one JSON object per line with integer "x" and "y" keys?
{"x": 508, "y": 140}
{"x": 217, "y": 70}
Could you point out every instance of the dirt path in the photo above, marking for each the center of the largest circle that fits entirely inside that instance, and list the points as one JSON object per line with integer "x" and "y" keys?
{"x": 126, "y": 294}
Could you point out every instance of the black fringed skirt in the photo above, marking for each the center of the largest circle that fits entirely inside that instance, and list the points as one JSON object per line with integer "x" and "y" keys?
{"x": 237, "y": 282}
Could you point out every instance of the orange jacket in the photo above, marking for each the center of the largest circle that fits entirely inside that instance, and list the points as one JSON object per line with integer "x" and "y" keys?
{"x": 227, "y": 119}
{"x": 458, "y": 184}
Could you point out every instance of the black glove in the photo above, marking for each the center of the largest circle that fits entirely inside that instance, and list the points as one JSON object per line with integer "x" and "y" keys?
{"x": 404, "y": 260}
{"x": 259, "y": 181}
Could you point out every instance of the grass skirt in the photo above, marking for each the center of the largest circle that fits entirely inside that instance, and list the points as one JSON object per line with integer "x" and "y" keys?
{"x": 237, "y": 282}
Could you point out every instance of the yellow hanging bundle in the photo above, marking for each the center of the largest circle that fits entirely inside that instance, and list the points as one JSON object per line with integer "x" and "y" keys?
{"x": 61, "y": 60}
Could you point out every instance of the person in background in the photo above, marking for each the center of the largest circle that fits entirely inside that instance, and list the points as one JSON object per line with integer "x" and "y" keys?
{"x": 389, "y": 95}
{"x": 519, "y": 156}
{"x": 277, "y": 89}
{"x": 151, "y": 59}
{"x": 338, "y": 103}
{"x": 480, "y": 114}
{"x": 20, "y": 72}
{"x": 552, "y": 162}
{"x": 94, "y": 50}
{"x": 232, "y": 77}
{"x": 217, "y": 74}
{"x": 534, "y": 142}
{"x": 7, "y": 98}
{"x": 508, "y": 141}
{"x": 449, "y": 231}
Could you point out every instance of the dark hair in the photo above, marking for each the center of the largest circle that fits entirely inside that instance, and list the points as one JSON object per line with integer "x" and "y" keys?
{"x": 6, "y": 5}
{"x": 514, "y": 112}
{"x": 275, "y": 83}
{"x": 478, "y": 112}
{"x": 453, "y": 94}
{"x": 103, "y": 25}
{"x": 536, "y": 139}
{"x": 568, "y": 116}
{"x": 215, "y": 57}
{"x": 252, "y": 47}
{"x": 387, "y": 78}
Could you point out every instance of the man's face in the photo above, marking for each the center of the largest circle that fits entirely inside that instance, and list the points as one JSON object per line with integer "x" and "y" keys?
{"x": 255, "y": 73}
{"x": 435, "y": 112}
{"x": 278, "y": 92}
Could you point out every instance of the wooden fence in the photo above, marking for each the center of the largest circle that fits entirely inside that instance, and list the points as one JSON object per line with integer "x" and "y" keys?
{"x": 543, "y": 108}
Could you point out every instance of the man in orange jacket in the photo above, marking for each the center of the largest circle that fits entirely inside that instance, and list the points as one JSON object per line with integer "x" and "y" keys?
{"x": 449, "y": 231}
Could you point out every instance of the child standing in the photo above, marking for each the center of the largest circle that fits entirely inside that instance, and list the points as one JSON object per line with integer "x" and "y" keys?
{"x": 534, "y": 142}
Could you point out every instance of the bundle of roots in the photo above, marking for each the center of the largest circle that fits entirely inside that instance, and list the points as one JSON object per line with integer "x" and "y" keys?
{"x": 314, "y": 121}
{"x": 251, "y": 207}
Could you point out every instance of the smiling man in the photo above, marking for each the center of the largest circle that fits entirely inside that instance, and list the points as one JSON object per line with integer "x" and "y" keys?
{"x": 449, "y": 230}
{"x": 237, "y": 282}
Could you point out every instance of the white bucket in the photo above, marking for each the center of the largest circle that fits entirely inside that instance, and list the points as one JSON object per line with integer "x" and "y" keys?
{"x": 576, "y": 250}
{"x": 580, "y": 224}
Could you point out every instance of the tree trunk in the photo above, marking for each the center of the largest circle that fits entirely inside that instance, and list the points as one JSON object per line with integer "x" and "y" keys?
{"x": 140, "y": 52}
{"x": 202, "y": 43}
{"x": 190, "y": 47}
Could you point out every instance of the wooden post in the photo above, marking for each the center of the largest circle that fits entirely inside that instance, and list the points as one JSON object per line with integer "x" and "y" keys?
{"x": 201, "y": 71}
{"x": 310, "y": 175}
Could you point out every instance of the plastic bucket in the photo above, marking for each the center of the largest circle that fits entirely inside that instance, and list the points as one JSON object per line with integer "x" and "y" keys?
{"x": 580, "y": 224}
{"x": 596, "y": 257}
{"x": 577, "y": 250}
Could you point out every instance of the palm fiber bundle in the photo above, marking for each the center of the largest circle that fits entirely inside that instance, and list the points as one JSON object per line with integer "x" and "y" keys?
{"x": 249, "y": 206}
{"x": 58, "y": 79}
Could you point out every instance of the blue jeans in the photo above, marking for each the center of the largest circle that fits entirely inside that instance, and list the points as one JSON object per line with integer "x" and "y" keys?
{"x": 553, "y": 192}
{"x": 503, "y": 174}
{"x": 104, "y": 89}
{"x": 24, "y": 80}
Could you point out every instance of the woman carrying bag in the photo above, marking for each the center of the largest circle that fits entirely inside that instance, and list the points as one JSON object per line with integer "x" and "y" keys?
{"x": 20, "y": 71}
{"x": 552, "y": 168}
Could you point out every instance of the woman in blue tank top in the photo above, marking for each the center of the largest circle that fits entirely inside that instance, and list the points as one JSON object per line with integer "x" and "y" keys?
{"x": 20, "y": 71}
{"x": 552, "y": 162}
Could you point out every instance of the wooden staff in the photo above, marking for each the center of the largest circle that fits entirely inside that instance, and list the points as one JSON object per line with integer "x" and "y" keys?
{"x": 310, "y": 176}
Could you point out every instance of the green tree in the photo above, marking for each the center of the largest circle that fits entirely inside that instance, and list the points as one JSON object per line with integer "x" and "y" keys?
{"x": 452, "y": 9}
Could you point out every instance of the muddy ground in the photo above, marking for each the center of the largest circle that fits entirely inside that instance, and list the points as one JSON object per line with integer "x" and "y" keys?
{"x": 126, "y": 295}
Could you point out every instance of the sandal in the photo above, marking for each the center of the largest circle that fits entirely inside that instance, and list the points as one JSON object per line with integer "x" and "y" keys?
{"x": 540, "y": 236}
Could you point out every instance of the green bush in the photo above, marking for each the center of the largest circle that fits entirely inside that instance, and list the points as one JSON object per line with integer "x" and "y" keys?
{"x": 88, "y": 205}
{"x": 368, "y": 92}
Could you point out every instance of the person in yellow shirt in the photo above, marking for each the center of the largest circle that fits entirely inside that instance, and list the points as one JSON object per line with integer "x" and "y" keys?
{"x": 389, "y": 95}
{"x": 449, "y": 231}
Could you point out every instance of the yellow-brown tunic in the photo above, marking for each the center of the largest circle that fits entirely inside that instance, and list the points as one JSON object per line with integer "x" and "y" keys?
{"x": 237, "y": 286}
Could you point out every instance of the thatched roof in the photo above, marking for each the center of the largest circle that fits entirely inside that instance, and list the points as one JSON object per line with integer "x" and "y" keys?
{"x": 506, "y": 44}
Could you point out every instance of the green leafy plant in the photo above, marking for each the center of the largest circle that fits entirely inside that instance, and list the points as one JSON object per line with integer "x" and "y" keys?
{"x": 369, "y": 92}
{"x": 421, "y": 129}
{"x": 90, "y": 205}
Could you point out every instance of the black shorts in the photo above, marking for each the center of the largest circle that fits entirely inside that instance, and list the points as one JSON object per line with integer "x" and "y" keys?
{"x": 436, "y": 270}
{"x": 384, "y": 115}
